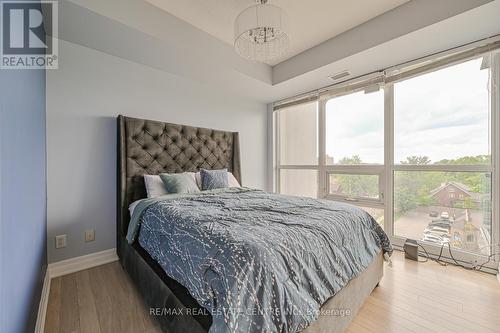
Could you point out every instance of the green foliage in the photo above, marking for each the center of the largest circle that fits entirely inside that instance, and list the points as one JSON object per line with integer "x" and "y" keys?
{"x": 468, "y": 160}
{"x": 417, "y": 160}
{"x": 466, "y": 203}
{"x": 413, "y": 189}
{"x": 356, "y": 185}
{"x": 355, "y": 159}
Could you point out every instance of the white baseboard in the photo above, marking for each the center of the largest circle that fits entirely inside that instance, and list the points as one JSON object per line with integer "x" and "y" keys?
{"x": 64, "y": 267}
{"x": 80, "y": 263}
{"x": 44, "y": 301}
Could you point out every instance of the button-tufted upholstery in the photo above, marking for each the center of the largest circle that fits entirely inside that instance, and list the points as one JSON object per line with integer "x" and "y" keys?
{"x": 153, "y": 147}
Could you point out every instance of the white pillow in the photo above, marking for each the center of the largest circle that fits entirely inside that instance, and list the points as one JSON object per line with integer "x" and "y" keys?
{"x": 232, "y": 181}
{"x": 132, "y": 206}
{"x": 155, "y": 187}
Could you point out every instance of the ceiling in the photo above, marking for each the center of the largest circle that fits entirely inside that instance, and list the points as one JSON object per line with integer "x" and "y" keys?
{"x": 311, "y": 21}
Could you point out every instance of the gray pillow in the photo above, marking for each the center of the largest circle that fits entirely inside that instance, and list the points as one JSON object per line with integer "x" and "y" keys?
{"x": 179, "y": 182}
{"x": 212, "y": 179}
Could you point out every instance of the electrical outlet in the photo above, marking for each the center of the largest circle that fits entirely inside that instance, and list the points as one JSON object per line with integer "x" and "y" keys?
{"x": 89, "y": 235}
{"x": 60, "y": 241}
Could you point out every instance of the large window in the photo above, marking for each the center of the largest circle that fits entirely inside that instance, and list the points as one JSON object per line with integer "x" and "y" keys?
{"x": 443, "y": 116}
{"x": 298, "y": 151}
{"x": 442, "y": 157}
{"x": 440, "y": 207}
{"x": 416, "y": 148}
{"x": 355, "y": 129}
{"x": 354, "y": 147}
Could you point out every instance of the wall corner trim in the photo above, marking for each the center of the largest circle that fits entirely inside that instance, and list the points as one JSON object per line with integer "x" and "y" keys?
{"x": 69, "y": 266}
{"x": 42, "y": 307}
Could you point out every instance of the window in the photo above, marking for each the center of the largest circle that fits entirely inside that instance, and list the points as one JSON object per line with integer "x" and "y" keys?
{"x": 415, "y": 147}
{"x": 299, "y": 182}
{"x": 298, "y": 134}
{"x": 354, "y": 149}
{"x": 417, "y": 194}
{"x": 352, "y": 145}
{"x": 354, "y": 186}
{"x": 355, "y": 129}
{"x": 442, "y": 123}
{"x": 443, "y": 117}
{"x": 298, "y": 150}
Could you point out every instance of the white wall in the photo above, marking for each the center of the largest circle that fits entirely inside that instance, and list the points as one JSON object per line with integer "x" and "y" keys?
{"x": 84, "y": 96}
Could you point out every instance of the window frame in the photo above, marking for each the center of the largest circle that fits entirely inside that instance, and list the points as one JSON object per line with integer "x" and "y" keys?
{"x": 392, "y": 167}
{"x": 387, "y": 170}
{"x": 354, "y": 171}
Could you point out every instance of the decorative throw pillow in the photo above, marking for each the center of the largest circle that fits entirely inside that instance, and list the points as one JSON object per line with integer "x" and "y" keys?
{"x": 179, "y": 182}
{"x": 154, "y": 186}
{"x": 212, "y": 179}
{"x": 233, "y": 182}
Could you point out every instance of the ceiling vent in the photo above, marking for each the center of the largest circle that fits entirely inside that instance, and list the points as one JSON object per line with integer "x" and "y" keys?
{"x": 340, "y": 75}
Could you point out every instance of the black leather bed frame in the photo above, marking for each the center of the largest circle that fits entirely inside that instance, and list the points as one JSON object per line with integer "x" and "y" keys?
{"x": 153, "y": 147}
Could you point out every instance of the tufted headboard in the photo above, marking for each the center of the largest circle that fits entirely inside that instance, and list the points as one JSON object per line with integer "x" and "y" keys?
{"x": 153, "y": 147}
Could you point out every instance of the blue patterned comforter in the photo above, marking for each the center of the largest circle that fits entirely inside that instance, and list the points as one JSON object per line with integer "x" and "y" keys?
{"x": 259, "y": 262}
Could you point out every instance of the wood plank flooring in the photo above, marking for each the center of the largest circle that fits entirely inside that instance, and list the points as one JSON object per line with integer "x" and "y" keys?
{"x": 423, "y": 297}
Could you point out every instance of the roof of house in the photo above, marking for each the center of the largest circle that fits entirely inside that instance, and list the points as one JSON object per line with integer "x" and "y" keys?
{"x": 458, "y": 185}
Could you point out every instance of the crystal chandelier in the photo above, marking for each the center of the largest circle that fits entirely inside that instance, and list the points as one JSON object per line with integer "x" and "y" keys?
{"x": 261, "y": 32}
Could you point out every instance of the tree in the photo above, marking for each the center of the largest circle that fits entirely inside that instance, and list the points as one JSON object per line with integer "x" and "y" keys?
{"x": 354, "y": 159}
{"x": 413, "y": 188}
{"x": 357, "y": 185}
{"x": 417, "y": 160}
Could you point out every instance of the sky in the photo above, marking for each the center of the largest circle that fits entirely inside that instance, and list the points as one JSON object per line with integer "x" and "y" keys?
{"x": 442, "y": 115}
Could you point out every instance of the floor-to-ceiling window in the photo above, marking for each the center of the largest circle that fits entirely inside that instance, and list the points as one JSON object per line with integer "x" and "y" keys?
{"x": 416, "y": 147}
{"x": 442, "y": 157}
{"x": 354, "y": 149}
{"x": 298, "y": 153}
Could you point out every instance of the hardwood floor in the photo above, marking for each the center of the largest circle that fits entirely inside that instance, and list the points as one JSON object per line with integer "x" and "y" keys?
{"x": 98, "y": 300}
{"x": 423, "y": 297}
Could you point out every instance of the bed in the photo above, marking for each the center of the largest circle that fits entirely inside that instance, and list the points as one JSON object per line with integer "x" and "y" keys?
{"x": 153, "y": 147}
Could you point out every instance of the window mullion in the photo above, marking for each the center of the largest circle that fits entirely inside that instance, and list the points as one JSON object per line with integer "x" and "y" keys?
{"x": 355, "y": 168}
{"x": 443, "y": 168}
{"x": 389, "y": 158}
{"x": 495, "y": 156}
{"x": 322, "y": 181}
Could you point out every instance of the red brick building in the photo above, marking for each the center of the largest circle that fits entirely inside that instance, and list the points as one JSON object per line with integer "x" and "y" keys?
{"x": 455, "y": 194}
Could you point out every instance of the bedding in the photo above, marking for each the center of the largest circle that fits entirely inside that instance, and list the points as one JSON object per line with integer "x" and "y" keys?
{"x": 233, "y": 182}
{"x": 154, "y": 186}
{"x": 179, "y": 182}
{"x": 213, "y": 179}
{"x": 131, "y": 207}
{"x": 259, "y": 262}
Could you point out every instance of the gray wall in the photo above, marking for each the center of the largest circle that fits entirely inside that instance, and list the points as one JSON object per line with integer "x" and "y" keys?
{"x": 23, "y": 258}
{"x": 84, "y": 96}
